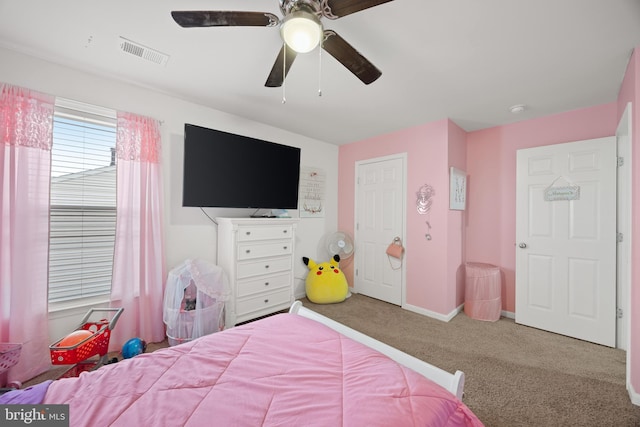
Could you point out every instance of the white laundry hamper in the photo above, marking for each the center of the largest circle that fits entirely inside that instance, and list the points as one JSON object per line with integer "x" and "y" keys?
{"x": 194, "y": 300}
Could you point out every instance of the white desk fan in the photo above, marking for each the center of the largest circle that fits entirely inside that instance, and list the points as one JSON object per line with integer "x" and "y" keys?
{"x": 339, "y": 243}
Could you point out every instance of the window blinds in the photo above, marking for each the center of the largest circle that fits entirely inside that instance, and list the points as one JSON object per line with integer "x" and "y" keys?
{"x": 83, "y": 201}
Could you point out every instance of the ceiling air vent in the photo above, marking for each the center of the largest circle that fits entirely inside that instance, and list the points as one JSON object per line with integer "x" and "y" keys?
{"x": 143, "y": 52}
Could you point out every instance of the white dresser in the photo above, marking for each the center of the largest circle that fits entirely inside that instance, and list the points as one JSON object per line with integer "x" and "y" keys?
{"x": 257, "y": 255}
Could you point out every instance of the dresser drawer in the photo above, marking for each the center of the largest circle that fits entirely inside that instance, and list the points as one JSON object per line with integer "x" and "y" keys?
{"x": 261, "y": 232}
{"x": 265, "y": 266}
{"x": 262, "y": 302}
{"x": 262, "y": 284}
{"x": 251, "y": 250}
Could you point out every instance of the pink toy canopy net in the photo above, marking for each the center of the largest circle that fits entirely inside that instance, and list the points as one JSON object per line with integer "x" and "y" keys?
{"x": 194, "y": 300}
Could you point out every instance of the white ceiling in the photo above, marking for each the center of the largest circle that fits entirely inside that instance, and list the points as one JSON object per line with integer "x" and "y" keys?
{"x": 467, "y": 60}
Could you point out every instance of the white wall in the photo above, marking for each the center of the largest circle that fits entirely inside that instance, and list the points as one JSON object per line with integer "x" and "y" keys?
{"x": 188, "y": 232}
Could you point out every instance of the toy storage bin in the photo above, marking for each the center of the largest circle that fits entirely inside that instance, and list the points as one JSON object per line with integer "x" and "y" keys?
{"x": 9, "y": 356}
{"x": 194, "y": 301}
{"x": 189, "y": 324}
{"x": 483, "y": 290}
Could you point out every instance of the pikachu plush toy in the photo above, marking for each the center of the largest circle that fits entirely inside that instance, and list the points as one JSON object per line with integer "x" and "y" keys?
{"x": 325, "y": 283}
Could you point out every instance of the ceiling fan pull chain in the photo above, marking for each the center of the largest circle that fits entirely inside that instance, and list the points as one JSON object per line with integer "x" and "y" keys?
{"x": 284, "y": 72}
{"x": 320, "y": 71}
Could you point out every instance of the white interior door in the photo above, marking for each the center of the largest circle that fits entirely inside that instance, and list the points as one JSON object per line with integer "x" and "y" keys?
{"x": 566, "y": 239}
{"x": 623, "y": 135}
{"x": 380, "y": 205}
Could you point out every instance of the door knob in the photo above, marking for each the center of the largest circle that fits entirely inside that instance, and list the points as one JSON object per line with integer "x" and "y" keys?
{"x": 522, "y": 245}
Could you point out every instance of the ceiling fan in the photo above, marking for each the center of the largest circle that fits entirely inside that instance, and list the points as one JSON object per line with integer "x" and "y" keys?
{"x": 301, "y": 30}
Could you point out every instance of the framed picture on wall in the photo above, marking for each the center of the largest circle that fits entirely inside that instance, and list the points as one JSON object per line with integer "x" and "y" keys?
{"x": 312, "y": 192}
{"x": 457, "y": 189}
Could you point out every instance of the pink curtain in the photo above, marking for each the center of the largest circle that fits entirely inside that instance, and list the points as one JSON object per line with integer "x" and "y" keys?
{"x": 138, "y": 267}
{"x": 26, "y": 135}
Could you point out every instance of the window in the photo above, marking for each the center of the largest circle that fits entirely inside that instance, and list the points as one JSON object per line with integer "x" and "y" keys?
{"x": 83, "y": 202}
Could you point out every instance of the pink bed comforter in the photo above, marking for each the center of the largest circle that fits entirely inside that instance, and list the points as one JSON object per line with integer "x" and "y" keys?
{"x": 284, "y": 370}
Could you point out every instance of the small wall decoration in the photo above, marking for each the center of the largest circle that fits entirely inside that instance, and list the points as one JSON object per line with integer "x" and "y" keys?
{"x": 312, "y": 191}
{"x": 424, "y": 199}
{"x": 457, "y": 189}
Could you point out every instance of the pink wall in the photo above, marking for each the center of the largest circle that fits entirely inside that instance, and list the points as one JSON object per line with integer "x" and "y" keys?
{"x": 485, "y": 231}
{"x": 491, "y": 166}
{"x": 630, "y": 92}
{"x": 429, "y": 281}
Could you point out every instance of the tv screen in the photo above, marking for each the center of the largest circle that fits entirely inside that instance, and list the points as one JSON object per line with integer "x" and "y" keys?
{"x": 226, "y": 170}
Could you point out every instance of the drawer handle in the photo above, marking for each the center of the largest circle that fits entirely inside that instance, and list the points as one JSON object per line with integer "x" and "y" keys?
{"x": 284, "y": 231}
{"x": 284, "y": 247}
{"x": 266, "y": 283}
{"x": 248, "y": 251}
{"x": 266, "y": 301}
{"x": 266, "y": 266}
{"x": 248, "y": 233}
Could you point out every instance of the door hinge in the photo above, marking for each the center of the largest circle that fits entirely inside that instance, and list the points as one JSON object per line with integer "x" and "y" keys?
{"x": 620, "y": 237}
{"x": 619, "y": 313}
{"x": 356, "y": 271}
{"x": 620, "y": 161}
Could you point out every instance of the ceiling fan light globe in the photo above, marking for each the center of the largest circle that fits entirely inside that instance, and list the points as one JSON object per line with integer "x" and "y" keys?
{"x": 301, "y": 31}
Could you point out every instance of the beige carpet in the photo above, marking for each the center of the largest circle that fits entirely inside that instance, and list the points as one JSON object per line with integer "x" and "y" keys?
{"x": 515, "y": 375}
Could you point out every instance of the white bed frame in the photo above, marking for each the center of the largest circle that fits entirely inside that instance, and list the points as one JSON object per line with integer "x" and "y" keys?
{"x": 454, "y": 383}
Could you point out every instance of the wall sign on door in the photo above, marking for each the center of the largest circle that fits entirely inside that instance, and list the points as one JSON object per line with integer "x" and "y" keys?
{"x": 552, "y": 194}
{"x": 568, "y": 192}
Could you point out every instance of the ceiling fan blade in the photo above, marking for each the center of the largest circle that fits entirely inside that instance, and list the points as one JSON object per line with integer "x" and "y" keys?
{"x": 339, "y": 8}
{"x": 276, "y": 78}
{"x": 350, "y": 58}
{"x": 213, "y": 18}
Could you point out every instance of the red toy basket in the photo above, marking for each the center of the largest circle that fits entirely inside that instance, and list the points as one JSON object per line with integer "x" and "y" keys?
{"x": 95, "y": 344}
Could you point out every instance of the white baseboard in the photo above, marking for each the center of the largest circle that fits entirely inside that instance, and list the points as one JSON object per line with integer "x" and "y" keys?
{"x": 633, "y": 395}
{"x": 508, "y": 314}
{"x": 433, "y": 314}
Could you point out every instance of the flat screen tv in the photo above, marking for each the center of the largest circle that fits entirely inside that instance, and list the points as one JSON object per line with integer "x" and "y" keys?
{"x": 226, "y": 170}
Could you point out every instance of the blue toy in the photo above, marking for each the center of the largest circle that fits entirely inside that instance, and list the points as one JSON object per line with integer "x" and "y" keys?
{"x": 133, "y": 347}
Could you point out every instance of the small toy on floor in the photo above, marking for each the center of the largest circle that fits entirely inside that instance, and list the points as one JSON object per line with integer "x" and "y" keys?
{"x": 133, "y": 347}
